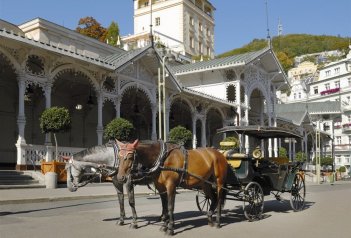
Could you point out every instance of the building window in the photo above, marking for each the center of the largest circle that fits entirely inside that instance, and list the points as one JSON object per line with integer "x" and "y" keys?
{"x": 157, "y": 21}
{"x": 294, "y": 95}
{"x": 327, "y": 86}
{"x": 191, "y": 41}
{"x": 338, "y": 159}
{"x": 338, "y": 140}
{"x": 208, "y": 51}
{"x": 231, "y": 93}
{"x": 349, "y": 118}
{"x": 327, "y": 73}
{"x": 200, "y": 48}
{"x": 299, "y": 94}
{"x": 315, "y": 90}
{"x": 337, "y": 70}
{"x": 208, "y": 32}
{"x": 200, "y": 27}
{"x": 337, "y": 84}
{"x": 349, "y": 81}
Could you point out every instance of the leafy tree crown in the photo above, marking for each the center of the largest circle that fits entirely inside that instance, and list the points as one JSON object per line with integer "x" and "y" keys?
{"x": 55, "y": 119}
{"x": 180, "y": 135}
{"x": 120, "y": 129}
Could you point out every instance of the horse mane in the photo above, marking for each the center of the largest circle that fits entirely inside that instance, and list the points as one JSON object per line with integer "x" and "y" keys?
{"x": 96, "y": 154}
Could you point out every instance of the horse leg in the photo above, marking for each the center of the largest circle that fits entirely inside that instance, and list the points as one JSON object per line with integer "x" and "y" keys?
{"x": 171, "y": 192}
{"x": 209, "y": 192}
{"x": 131, "y": 199}
{"x": 220, "y": 197}
{"x": 119, "y": 189}
{"x": 164, "y": 216}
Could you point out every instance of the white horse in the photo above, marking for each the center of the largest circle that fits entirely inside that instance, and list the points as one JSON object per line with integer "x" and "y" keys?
{"x": 102, "y": 160}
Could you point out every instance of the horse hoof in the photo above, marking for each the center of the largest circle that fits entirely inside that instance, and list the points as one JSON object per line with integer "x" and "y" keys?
{"x": 218, "y": 226}
{"x": 163, "y": 228}
{"x": 170, "y": 232}
{"x": 210, "y": 224}
{"x": 120, "y": 223}
{"x": 133, "y": 226}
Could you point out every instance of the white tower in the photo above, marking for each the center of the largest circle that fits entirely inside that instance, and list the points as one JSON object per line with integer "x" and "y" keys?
{"x": 184, "y": 26}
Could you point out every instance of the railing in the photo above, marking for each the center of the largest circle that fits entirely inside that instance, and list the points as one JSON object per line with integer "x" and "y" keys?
{"x": 34, "y": 154}
{"x": 330, "y": 91}
{"x": 346, "y": 128}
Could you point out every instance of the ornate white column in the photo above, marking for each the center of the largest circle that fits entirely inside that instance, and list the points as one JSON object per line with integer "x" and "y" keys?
{"x": 117, "y": 103}
{"x": 193, "y": 118}
{"x": 276, "y": 153}
{"x": 21, "y": 121}
{"x": 270, "y": 148}
{"x": 153, "y": 126}
{"x": 99, "y": 128}
{"x": 47, "y": 92}
{"x": 166, "y": 132}
{"x": 238, "y": 98}
{"x": 203, "y": 131}
{"x": 247, "y": 145}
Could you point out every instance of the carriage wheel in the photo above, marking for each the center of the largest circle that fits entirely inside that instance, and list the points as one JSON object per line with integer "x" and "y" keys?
{"x": 253, "y": 201}
{"x": 298, "y": 192}
{"x": 203, "y": 203}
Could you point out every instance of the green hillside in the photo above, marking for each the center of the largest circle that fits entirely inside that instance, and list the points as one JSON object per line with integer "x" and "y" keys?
{"x": 288, "y": 46}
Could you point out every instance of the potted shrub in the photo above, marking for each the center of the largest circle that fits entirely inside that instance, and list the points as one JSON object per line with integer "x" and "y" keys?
{"x": 181, "y": 135}
{"x": 55, "y": 120}
{"x": 120, "y": 129}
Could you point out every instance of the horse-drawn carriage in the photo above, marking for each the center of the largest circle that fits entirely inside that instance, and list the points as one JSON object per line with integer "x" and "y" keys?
{"x": 240, "y": 176}
{"x": 253, "y": 176}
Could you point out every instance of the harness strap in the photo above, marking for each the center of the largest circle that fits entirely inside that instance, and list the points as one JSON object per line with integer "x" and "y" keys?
{"x": 185, "y": 166}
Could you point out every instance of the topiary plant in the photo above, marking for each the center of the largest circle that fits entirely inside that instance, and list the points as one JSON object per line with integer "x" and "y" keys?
{"x": 181, "y": 135}
{"x": 55, "y": 119}
{"x": 120, "y": 129}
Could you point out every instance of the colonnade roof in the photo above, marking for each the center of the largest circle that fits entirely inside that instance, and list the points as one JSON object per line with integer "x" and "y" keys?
{"x": 226, "y": 62}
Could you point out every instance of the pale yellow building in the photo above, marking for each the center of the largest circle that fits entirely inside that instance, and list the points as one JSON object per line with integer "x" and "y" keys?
{"x": 303, "y": 70}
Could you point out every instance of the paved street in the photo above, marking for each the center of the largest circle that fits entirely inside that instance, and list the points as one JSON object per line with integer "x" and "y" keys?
{"x": 327, "y": 214}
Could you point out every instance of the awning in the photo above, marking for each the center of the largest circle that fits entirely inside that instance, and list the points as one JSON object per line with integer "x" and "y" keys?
{"x": 261, "y": 132}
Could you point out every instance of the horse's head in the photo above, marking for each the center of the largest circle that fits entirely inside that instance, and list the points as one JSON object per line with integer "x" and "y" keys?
{"x": 77, "y": 174}
{"x": 126, "y": 156}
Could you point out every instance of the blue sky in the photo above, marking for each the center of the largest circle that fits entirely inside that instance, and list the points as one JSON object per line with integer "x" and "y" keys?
{"x": 237, "y": 21}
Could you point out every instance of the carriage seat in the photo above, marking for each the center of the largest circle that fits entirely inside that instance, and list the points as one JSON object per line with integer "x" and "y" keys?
{"x": 234, "y": 159}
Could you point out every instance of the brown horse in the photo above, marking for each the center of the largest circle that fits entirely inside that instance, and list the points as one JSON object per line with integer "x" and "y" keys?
{"x": 172, "y": 167}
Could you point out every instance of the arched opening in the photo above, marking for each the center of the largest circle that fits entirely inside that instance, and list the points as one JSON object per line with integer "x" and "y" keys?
{"x": 136, "y": 108}
{"x": 74, "y": 91}
{"x": 180, "y": 115}
{"x": 198, "y": 133}
{"x": 214, "y": 121}
{"x": 257, "y": 105}
{"x": 8, "y": 114}
{"x": 108, "y": 114}
{"x": 34, "y": 102}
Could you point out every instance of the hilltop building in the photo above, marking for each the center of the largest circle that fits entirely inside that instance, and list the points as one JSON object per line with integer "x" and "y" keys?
{"x": 333, "y": 84}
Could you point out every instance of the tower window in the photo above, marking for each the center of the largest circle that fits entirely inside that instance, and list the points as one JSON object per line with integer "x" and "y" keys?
{"x": 157, "y": 21}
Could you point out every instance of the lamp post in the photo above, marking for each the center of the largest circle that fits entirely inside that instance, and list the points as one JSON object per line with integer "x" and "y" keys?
{"x": 162, "y": 98}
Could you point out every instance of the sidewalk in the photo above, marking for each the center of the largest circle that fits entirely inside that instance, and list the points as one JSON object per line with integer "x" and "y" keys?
{"x": 32, "y": 195}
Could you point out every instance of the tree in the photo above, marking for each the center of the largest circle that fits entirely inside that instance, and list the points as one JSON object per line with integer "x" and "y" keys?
{"x": 300, "y": 156}
{"x": 90, "y": 27}
{"x": 120, "y": 129}
{"x": 282, "y": 152}
{"x": 55, "y": 119}
{"x": 181, "y": 135}
{"x": 285, "y": 61}
{"x": 325, "y": 161}
{"x": 112, "y": 34}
